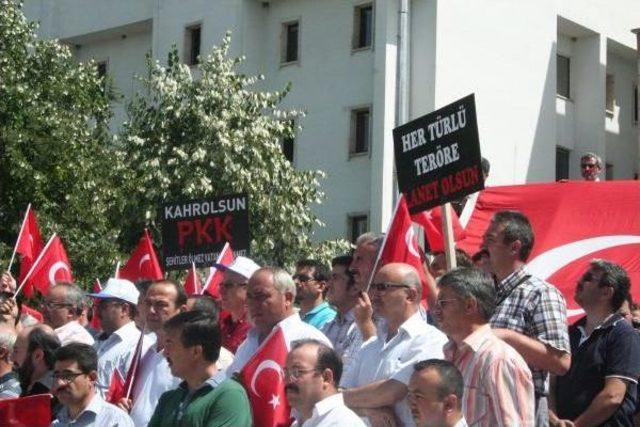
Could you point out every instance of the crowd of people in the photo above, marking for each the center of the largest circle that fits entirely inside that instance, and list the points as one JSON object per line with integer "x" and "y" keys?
{"x": 492, "y": 347}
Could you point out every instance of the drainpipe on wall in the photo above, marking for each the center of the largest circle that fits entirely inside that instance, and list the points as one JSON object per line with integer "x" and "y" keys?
{"x": 402, "y": 74}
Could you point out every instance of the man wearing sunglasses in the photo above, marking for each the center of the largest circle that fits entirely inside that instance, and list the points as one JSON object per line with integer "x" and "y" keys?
{"x": 404, "y": 340}
{"x": 590, "y": 167}
{"x": 74, "y": 384}
{"x": 601, "y": 385}
{"x": 311, "y": 287}
{"x": 61, "y": 308}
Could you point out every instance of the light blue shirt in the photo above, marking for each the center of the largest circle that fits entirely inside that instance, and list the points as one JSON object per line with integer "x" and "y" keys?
{"x": 320, "y": 315}
{"x": 98, "y": 414}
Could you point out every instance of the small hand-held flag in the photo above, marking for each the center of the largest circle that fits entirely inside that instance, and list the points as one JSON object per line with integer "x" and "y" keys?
{"x": 28, "y": 245}
{"x": 143, "y": 263}
{"x": 121, "y": 387}
{"x": 193, "y": 284}
{"x": 215, "y": 275}
{"x": 95, "y": 319}
{"x": 52, "y": 265}
{"x": 30, "y": 411}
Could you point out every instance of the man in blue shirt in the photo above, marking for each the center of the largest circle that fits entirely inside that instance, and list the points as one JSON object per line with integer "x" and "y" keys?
{"x": 311, "y": 287}
{"x": 601, "y": 385}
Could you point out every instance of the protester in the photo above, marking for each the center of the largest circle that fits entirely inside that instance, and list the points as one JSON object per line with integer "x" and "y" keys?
{"x": 531, "y": 314}
{"x": 61, "y": 308}
{"x": 270, "y": 295}
{"x": 74, "y": 384}
{"x": 601, "y": 386}
{"x": 591, "y": 167}
{"x": 481, "y": 260}
{"x": 435, "y": 394}
{"x": 233, "y": 295}
{"x": 142, "y": 286}
{"x": 438, "y": 265}
{"x": 342, "y": 294}
{"x": 405, "y": 339}
{"x": 311, "y": 286}
{"x": 7, "y": 282}
{"x": 498, "y": 383}
{"x": 312, "y": 376}
{"x": 162, "y": 300}
{"x": 364, "y": 258}
{"x": 192, "y": 346}
{"x": 9, "y": 384}
{"x": 117, "y": 344}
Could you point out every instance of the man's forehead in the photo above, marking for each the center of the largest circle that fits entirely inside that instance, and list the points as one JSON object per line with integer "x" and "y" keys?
{"x": 63, "y": 365}
{"x": 306, "y": 353}
{"x": 306, "y": 269}
{"x": 234, "y": 277}
{"x": 161, "y": 290}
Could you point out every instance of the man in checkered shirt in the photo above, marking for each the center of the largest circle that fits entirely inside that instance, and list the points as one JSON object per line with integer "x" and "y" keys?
{"x": 531, "y": 314}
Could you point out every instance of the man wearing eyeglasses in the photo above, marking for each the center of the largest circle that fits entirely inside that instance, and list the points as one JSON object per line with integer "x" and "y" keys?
{"x": 590, "y": 167}
{"x": 404, "y": 340}
{"x": 234, "y": 323}
{"x": 312, "y": 375}
{"x": 311, "y": 287}
{"x": 61, "y": 308}
{"x": 74, "y": 384}
{"x": 601, "y": 385}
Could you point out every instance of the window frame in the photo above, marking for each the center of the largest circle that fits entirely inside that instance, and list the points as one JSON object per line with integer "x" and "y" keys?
{"x": 353, "y": 129}
{"x": 610, "y": 94}
{"x": 284, "y": 42}
{"x": 568, "y": 94}
{"x": 187, "y": 56}
{"x": 352, "y": 233}
{"x": 356, "y": 40}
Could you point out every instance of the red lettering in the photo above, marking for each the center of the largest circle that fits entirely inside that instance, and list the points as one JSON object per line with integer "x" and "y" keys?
{"x": 185, "y": 228}
{"x": 222, "y": 229}
{"x": 201, "y": 231}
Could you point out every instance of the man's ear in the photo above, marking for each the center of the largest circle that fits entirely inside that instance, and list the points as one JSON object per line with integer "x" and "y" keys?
{"x": 327, "y": 376}
{"x": 93, "y": 376}
{"x": 182, "y": 308}
{"x": 288, "y": 297}
{"x": 37, "y": 355}
{"x": 515, "y": 246}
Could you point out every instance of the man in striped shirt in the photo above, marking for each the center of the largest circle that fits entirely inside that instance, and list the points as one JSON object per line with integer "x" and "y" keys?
{"x": 498, "y": 386}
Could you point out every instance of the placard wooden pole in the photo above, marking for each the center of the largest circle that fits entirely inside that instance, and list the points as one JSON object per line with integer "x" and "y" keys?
{"x": 447, "y": 234}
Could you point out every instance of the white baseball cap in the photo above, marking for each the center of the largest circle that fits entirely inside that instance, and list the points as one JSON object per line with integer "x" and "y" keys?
{"x": 121, "y": 289}
{"x": 241, "y": 265}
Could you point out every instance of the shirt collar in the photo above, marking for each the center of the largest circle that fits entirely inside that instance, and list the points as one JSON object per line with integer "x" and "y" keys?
{"x": 67, "y": 327}
{"x": 414, "y": 325}
{"x": 95, "y": 407}
{"x": 318, "y": 308}
{"x": 127, "y": 331}
{"x": 609, "y": 322}
{"x": 474, "y": 341}
{"x": 327, "y": 405}
{"x": 508, "y": 283}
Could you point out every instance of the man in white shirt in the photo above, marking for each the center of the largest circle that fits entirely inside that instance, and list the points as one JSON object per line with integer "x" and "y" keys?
{"x": 312, "y": 376}
{"x": 116, "y": 345}
{"x": 404, "y": 340}
{"x": 61, "y": 308}
{"x": 270, "y": 296}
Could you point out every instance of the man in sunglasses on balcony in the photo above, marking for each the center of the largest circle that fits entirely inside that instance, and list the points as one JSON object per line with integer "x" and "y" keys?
{"x": 590, "y": 167}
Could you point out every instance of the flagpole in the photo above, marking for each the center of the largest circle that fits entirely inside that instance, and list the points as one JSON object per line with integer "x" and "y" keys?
{"x": 447, "y": 233}
{"x": 117, "y": 273}
{"x": 218, "y": 261}
{"x": 15, "y": 247}
{"x": 134, "y": 362}
{"x": 384, "y": 242}
{"x": 33, "y": 267}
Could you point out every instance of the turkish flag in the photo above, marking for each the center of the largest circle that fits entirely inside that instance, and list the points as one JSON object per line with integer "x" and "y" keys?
{"x": 29, "y": 245}
{"x": 431, "y": 222}
{"x": 51, "y": 266}
{"x": 573, "y": 222}
{"x": 121, "y": 387}
{"x": 263, "y": 378}
{"x": 401, "y": 244}
{"x": 31, "y": 411}
{"x": 116, "y": 389}
{"x": 193, "y": 283}
{"x": 212, "y": 285}
{"x": 143, "y": 263}
{"x": 95, "y": 319}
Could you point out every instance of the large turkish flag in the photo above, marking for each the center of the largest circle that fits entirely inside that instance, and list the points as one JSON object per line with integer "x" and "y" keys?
{"x": 573, "y": 222}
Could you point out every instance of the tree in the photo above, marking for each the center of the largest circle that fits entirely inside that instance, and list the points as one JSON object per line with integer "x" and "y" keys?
{"x": 189, "y": 138}
{"x": 55, "y": 147}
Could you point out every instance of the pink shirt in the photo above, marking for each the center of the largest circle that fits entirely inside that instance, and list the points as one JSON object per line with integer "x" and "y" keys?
{"x": 498, "y": 387}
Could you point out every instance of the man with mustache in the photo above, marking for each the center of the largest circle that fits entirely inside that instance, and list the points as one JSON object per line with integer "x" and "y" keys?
{"x": 74, "y": 384}
{"x": 312, "y": 375}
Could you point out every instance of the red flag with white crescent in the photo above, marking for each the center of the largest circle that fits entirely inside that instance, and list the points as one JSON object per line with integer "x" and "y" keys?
{"x": 29, "y": 245}
{"x": 51, "y": 266}
{"x": 193, "y": 283}
{"x": 30, "y": 411}
{"x": 401, "y": 244}
{"x": 431, "y": 222}
{"x": 212, "y": 285}
{"x": 573, "y": 223}
{"x": 263, "y": 378}
{"x": 143, "y": 263}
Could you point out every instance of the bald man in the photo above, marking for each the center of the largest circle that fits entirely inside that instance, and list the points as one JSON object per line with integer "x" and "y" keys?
{"x": 405, "y": 340}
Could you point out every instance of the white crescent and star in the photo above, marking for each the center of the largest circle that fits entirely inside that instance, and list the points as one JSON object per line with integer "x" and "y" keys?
{"x": 265, "y": 364}
{"x": 60, "y": 265}
{"x": 144, "y": 259}
{"x": 410, "y": 241}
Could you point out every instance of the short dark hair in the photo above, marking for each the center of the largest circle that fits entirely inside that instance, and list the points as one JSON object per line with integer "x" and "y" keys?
{"x": 516, "y": 227}
{"x": 616, "y": 277}
{"x": 478, "y": 255}
{"x": 462, "y": 258}
{"x": 181, "y": 295}
{"x": 85, "y": 355}
{"x": 45, "y": 340}
{"x": 143, "y": 286}
{"x": 345, "y": 261}
{"x": 327, "y": 358}
{"x": 198, "y": 328}
{"x": 474, "y": 283}
{"x": 451, "y": 381}
{"x": 320, "y": 270}
{"x": 206, "y": 304}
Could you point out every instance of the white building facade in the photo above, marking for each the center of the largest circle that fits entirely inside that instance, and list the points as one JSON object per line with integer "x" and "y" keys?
{"x": 553, "y": 79}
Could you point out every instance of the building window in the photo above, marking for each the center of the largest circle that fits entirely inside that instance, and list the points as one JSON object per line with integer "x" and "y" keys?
{"x": 608, "y": 171}
{"x": 360, "y": 131}
{"x": 610, "y": 96}
{"x": 358, "y": 224}
{"x": 636, "y": 106}
{"x": 102, "y": 69}
{"x": 192, "y": 41}
{"x": 564, "y": 80}
{"x": 290, "y": 42}
{"x": 363, "y": 26}
{"x": 288, "y": 144}
{"x": 562, "y": 163}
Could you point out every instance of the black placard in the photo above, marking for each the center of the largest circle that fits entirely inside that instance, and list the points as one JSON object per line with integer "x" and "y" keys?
{"x": 196, "y": 230}
{"x": 438, "y": 156}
